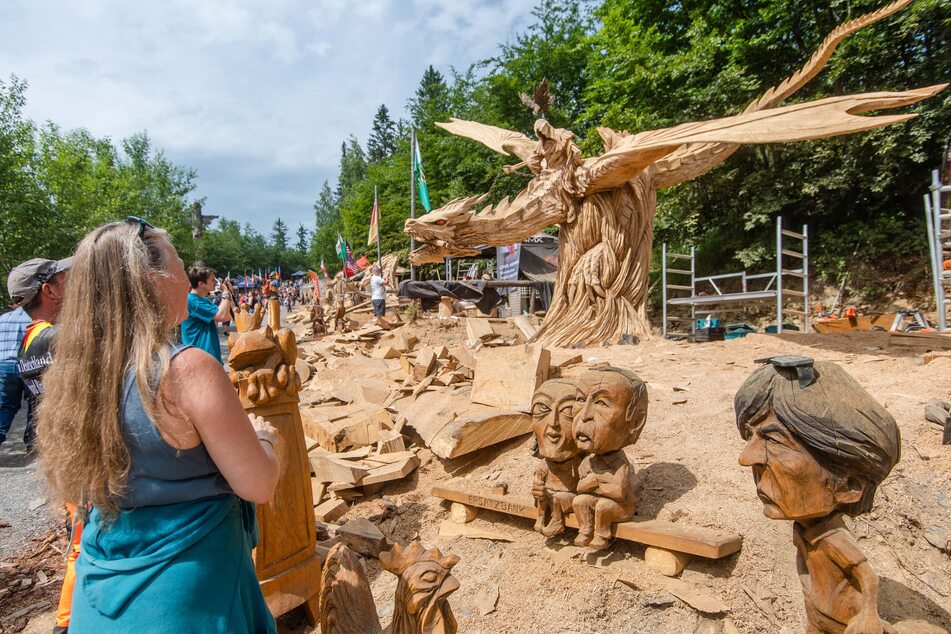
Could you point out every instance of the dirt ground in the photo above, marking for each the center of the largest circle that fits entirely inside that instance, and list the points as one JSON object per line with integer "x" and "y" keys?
{"x": 687, "y": 462}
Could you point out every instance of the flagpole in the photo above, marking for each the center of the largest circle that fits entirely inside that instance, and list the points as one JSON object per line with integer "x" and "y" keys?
{"x": 379, "y": 218}
{"x": 412, "y": 197}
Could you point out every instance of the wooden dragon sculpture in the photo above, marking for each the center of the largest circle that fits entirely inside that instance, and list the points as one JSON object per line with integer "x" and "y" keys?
{"x": 605, "y": 205}
{"x": 420, "y": 604}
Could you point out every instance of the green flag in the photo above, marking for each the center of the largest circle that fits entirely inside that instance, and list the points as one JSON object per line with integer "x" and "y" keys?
{"x": 341, "y": 248}
{"x": 421, "y": 185}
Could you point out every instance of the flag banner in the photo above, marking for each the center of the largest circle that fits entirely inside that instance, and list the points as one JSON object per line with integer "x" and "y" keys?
{"x": 323, "y": 268}
{"x": 420, "y": 177}
{"x": 363, "y": 263}
{"x": 313, "y": 278}
{"x": 341, "y": 248}
{"x": 374, "y": 234}
{"x": 507, "y": 261}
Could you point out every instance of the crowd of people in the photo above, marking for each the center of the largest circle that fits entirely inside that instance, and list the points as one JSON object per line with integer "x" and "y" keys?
{"x": 142, "y": 438}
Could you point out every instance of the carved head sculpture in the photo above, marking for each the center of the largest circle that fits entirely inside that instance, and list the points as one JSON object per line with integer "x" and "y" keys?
{"x": 611, "y": 409}
{"x": 555, "y": 148}
{"x": 552, "y": 414}
{"x": 438, "y": 229}
{"x": 425, "y": 583}
{"x": 816, "y": 440}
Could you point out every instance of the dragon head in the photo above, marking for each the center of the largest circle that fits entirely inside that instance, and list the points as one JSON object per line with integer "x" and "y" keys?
{"x": 437, "y": 231}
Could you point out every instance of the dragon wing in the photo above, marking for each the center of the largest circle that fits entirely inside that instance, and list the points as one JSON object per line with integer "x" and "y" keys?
{"x": 694, "y": 160}
{"x": 501, "y": 140}
{"x": 819, "y": 119}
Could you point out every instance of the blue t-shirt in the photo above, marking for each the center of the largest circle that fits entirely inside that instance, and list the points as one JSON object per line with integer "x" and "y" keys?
{"x": 199, "y": 329}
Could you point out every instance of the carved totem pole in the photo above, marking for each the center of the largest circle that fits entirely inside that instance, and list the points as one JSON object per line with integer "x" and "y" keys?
{"x": 819, "y": 445}
{"x": 262, "y": 370}
{"x": 605, "y": 205}
{"x": 420, "y": 604}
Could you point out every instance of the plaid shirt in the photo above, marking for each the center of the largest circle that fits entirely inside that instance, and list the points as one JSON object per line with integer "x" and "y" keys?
{"x": 12, "y": 329}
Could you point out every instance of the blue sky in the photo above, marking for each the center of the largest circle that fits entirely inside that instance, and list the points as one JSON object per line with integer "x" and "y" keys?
{"x": 257, "y": 96}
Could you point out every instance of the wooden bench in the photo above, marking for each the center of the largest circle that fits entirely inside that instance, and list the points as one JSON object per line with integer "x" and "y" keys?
{"x": 669, "y": 545}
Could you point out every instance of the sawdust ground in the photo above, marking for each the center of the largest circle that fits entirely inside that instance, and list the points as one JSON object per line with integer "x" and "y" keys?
{"x": 687, "y": 460}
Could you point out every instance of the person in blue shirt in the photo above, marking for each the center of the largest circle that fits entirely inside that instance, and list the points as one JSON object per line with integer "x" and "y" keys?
{"x": 200, "y": 329}
{"x": 12, "y": 327}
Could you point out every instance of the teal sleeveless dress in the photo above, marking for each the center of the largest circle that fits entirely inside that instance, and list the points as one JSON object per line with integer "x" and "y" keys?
{"x": 177, "y": 558}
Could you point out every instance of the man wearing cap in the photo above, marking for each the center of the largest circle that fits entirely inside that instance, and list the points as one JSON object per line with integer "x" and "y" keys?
{"x": 39, "y": 286}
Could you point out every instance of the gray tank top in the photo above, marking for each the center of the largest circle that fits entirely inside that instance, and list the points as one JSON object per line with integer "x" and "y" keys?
{"x": 159, "y": 473}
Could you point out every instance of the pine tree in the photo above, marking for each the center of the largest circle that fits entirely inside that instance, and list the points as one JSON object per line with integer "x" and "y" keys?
{"x": 431, "y": 101}
{"x": 279, "y": 236}
{"x": 382, "y": 142}
{"x": 302, "y": 238}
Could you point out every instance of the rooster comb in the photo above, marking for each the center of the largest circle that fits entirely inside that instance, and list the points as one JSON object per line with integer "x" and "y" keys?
{"x": 398, "y": 559}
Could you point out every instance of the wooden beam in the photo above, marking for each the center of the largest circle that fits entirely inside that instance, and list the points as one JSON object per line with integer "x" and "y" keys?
{"x": 508, "y": 377}
{"x": 702, "y": 542}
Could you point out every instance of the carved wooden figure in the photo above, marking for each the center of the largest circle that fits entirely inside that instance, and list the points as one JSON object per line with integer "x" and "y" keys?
{"x": 557, "y": 477}
{"x": 317, "y": 325}
{"x": 605, "y": 205}
{"x": 245, "y": 320}
{"x": 819, "y": 445}
{"x": 420, "y": 604}
{"x": 262, "y": 369}
{"x": 610, "y": 414}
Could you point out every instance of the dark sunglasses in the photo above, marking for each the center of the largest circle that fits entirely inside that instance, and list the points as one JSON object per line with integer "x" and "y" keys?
{"x": 142, "y": 225}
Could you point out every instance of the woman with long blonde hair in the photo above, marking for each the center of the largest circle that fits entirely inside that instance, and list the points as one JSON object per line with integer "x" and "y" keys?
{"x": 152, "y": 441}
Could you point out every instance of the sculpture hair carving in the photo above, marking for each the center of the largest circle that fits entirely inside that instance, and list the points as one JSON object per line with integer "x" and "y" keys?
{"x": 112, "y": 321}
{"x": 834, "y": 418}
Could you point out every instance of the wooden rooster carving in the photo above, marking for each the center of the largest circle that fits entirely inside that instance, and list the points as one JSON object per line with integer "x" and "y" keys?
{"x": 420, "y": 605}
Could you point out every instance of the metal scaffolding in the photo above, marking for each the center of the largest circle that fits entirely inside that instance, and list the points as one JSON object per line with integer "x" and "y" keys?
{"x": 938, "y": 220}
{"x": 705, "y": 291}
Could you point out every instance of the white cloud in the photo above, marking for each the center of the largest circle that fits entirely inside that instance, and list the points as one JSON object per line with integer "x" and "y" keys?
{"x": 256, "y": 96}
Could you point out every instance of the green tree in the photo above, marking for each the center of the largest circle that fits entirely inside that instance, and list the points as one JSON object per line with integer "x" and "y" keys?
{"x": 382, "y": 142}
{"x": 302, "y": 242}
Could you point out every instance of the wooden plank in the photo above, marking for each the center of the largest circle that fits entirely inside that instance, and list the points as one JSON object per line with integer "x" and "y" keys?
{"x": 318, "y": 489}
{"x": 363, "y": 427}
{"x": 328, "y": 468}
{"x": 391, "y": 443}
{"x": 331, "y": 510}
{"x": 425, "y": 364}
{"x": 508, "y": 377}
{"x": 478, "y": 329}
{"x": 363, "y": 536}
{"x": 525, "y": 327}
{"x": 387, "y": 352}
{"x": 702, "y": 542}
{"x": 385, "y": 472}
{"x": 928, "y": 340}
{"x": 451, "y": 425}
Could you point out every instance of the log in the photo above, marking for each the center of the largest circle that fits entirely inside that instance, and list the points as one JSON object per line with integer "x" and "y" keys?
{"x": 362, "y": 425}
{"x": 478, "y": 330}
{"x": 508, "y": 377}
{"x": 425, "y": 364}
{"x": 525, "y": 327}
{"x": 391, "y": 443}
{"x": 331, "y": 510}
{"x": 452, "y": 426}
{"x": 362, "y": 536}
{"x": 329, "y": 468}
{"x": 677, "y": 537}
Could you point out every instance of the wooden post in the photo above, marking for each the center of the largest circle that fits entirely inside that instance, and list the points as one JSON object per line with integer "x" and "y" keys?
{"x": 285, "y": 560}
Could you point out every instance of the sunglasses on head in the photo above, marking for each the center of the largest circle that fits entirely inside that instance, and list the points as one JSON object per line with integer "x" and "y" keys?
{"x": 142, "y": 224}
